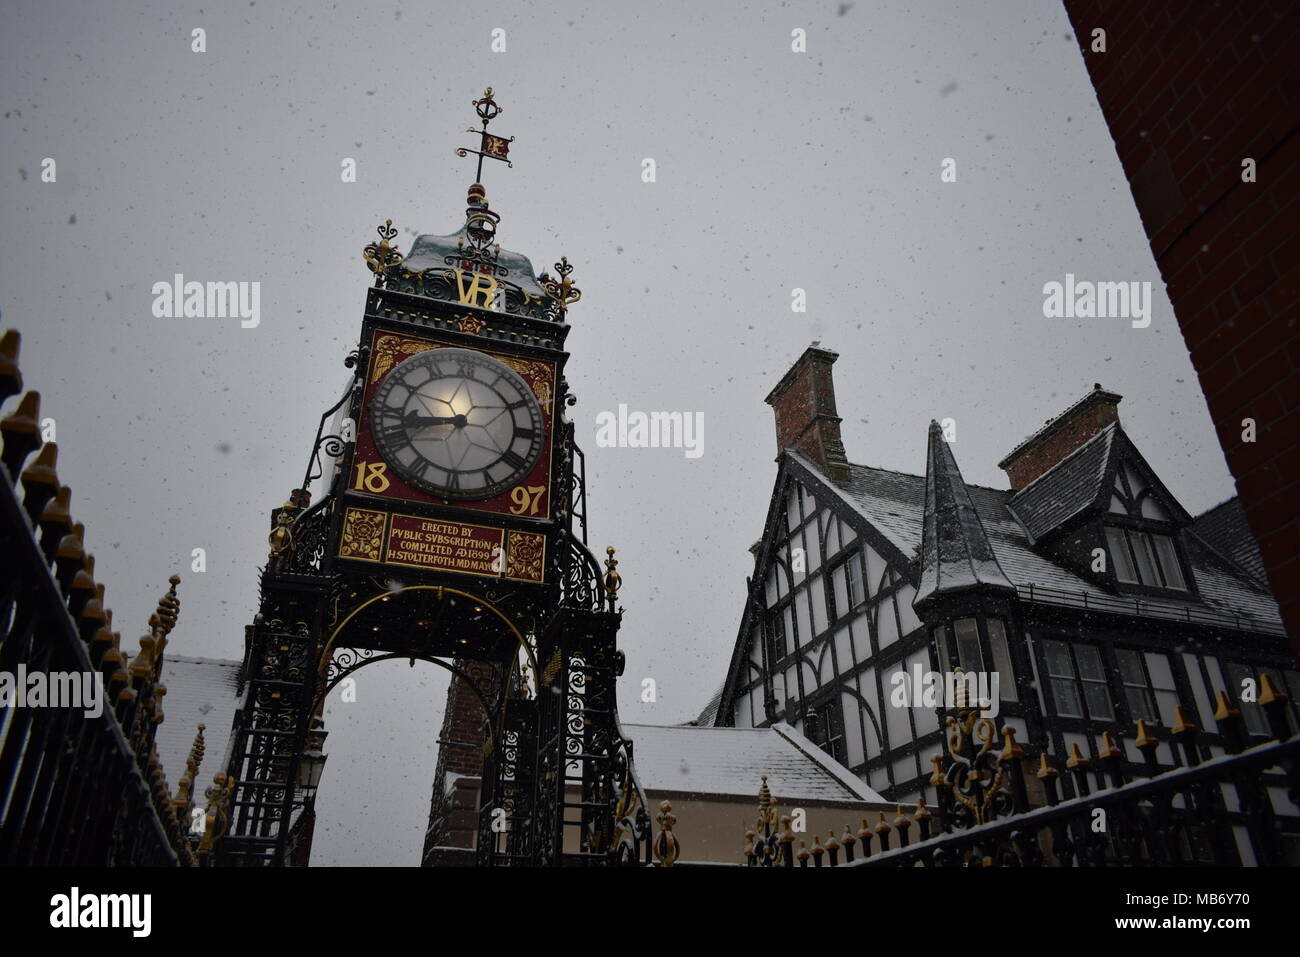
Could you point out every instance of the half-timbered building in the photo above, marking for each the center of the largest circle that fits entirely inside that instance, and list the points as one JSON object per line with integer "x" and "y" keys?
{"x": 1085, "y": 587}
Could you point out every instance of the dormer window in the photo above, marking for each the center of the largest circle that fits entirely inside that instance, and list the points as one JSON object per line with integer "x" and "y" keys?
{"x": 1144, "y": 558}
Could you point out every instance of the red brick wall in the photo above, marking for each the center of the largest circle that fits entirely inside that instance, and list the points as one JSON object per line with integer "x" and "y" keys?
{"x": 1189, "y": 90}
{"x": 464, "y": 724}
{"x": 1063, "y": 438}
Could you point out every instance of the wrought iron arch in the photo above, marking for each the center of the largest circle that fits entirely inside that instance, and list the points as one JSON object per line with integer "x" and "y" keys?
{"x": 362, "y": 659}
{"x": 441, "y": 590}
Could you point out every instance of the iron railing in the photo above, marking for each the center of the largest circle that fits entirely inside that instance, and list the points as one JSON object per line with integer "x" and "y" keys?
{"x": 78, "y": 786}
{"x": 1238, "y": 808}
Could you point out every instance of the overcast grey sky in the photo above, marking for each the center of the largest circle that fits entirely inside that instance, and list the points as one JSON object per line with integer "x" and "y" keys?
{"x": 775, "y": 170}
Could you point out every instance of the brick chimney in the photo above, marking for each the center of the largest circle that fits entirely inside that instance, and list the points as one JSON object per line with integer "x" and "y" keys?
{"x": 804, "y": 405}
{"x": 1061, "y": 436}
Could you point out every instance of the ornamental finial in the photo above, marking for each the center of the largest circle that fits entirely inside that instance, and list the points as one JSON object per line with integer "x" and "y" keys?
{"x": 562, "y": 290}
{"x": 490, "y": 146}
{"x": 613, "y": 580}
{"x": 382, "y": 257}
{"x": 666, "y": 848}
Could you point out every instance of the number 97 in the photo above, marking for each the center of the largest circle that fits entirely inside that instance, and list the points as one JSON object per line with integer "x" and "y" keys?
{"x": 527, "y": 499}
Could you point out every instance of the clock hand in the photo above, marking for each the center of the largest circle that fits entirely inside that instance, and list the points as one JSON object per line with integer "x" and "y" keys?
{"x": 415, "y": 420}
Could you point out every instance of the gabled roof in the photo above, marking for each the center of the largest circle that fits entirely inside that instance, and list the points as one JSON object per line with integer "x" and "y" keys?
{"x": 1224, "y": 529}
{"x": 1071, "y": 486}
{"x": 955, "y": 552}
{"x": 894, "y": 504}
{"x": 728, "y": 762}
{"x": 199, "y": 691}
{"x": 1081, "y": 482}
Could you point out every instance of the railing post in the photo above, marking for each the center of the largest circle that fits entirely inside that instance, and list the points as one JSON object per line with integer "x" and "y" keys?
{"x": 1112, "y": 760}
{"x": 864, "y": 838}
{"x": 1274, "y": 702}
{"x": 882, "y": 833}
{"x": 1010, "y": 757}
{"x": 1078, "y": 766}
{"x": 1184, "y": 733}
{"x": 923, "y": 818}
{"x": 1228, "y": 720}
{"x": 902, "y": 824}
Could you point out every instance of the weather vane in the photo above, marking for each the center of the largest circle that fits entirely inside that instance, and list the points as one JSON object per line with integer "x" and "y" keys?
{"x": 493, "y": 147}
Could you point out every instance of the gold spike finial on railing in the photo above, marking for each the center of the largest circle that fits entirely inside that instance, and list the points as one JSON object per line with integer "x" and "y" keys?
{"x": 1077, "y": 760}
{"x": 766, "y": 810}
{"x": 1225, "y": 709}
{"x": 184, "y": 800}
{"x": 666, "y": 848}
{"x": 11, "y": 379}
{"x": 1011, "y": 750}
{"x": 1270, "y": 692}
{"x": 1045, "y": 769}
{"x": 1145, "y": 739}
{"x": 1182, "y": 723}
{"x": 169, "y": 609}
{"x": 1108, "y": 747}
{"x": 143, "y": 663}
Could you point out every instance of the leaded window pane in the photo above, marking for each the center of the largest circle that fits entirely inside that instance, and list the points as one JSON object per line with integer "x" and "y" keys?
{"x": 1119, "y": 557}
{"x": 968, "y": 644}
{"x": 1145, "y": 557}
{"x": 1002, "y": 660}
{"x": 1169, "y": 566}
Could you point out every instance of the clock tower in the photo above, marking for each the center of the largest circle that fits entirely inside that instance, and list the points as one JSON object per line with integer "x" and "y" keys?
{"x": 448, "y": 526}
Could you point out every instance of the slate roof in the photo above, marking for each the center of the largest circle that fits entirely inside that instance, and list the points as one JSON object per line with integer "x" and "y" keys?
{"x": 1225, "y": 529}
{"x": 709, "y": 714}
{"x": 727, "y": 762}
{"x": 894, "y": 503}
{"x": 955, "y": 552}
{"x": 199, "y": 691}
{"x": 1067, "y": 488}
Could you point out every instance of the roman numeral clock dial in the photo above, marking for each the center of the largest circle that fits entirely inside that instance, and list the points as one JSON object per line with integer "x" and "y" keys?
{"x": 457, "y": 423}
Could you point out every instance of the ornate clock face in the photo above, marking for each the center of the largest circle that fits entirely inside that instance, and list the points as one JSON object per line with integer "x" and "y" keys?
{"x": 457, "y": 423}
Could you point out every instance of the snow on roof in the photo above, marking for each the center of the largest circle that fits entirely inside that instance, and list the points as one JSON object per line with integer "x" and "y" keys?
{"x": 199, "y": 691}
{"x": 728, "y": 762}
{"x": 894, "y": 504}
